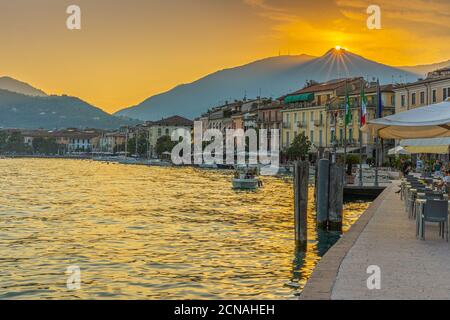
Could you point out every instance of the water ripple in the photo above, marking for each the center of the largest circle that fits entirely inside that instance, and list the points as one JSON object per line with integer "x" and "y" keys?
{"x": 147, "y": 233}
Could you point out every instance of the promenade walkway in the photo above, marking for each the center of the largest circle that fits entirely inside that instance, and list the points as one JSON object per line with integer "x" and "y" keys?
{"x": 385, "y": 237}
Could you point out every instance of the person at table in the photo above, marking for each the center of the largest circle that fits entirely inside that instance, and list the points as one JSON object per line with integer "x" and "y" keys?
{"x": 445, "y": 183}
{"x": 437, "y": 168}
{"x": 406, "y": 167}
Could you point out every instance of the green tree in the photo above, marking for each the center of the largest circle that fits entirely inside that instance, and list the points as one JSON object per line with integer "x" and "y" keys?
{"x": 16, "y": 144}
{"x": 142, "y": 145}
{"x": 3, "y": 140}
{"x": 45, "y": 145}
{"x": 352, "y": 159}
{"x": 164, "y": 144}
{"x": 299, "y": 148}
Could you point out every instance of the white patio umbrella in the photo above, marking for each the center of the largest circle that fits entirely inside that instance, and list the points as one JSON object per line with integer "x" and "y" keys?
{"x": 398, "y": 151}
{"x": 431, "y": 121}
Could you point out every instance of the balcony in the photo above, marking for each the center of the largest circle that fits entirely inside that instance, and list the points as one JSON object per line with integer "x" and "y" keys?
{"x": 301, "y": 124}
{"x": 286, "y": 125}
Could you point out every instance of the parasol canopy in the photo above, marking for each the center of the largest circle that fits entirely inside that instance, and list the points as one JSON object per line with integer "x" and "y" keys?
{"x": 436, "y": 145}
{"x": 398, "y": 151}
{"x": 431, "y": 121}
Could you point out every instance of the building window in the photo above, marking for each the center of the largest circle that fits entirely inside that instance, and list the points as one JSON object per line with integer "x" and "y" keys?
{"x": 422, "y": 97}
{"x": 403, "y": 100}
{"x": 312, "y": 115}
{"x": 434, "y": 96}
{"x": 288, "y": 143}
{"x": 341, "y": 134}
{"x": 167, "y": 132}
{"x": 295, "y": 117}
{"x": 311, "y": 136}
{"x": 413, "y": 99}
{"x": 350, "y": 135}
{"x": 159, "y": 132}
{"x": 446, "y": 93}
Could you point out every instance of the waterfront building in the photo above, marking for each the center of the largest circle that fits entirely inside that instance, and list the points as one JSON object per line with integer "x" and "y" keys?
{"x": 83, "y": 142}
{"x": 69, "y": 140}
{"x": 336, "y": 117}
{"x": 270, "y": 117}
{"x": 305, "y": 111}
{"x": 237, "y": 120}
{"x": 165, "y": 127}
{"x": 433, "y": 89}
{"x": 112, "y": 142}
{"x": 318, "y": 111}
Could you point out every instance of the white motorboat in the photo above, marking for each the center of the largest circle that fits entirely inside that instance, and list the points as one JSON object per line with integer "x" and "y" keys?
{"x": 246, "y": 179}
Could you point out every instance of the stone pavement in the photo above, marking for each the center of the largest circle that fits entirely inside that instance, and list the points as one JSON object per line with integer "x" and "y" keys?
{"x": 385, "y": 237}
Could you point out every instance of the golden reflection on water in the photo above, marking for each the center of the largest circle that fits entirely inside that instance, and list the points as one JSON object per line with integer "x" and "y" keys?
{"x": 141, "y": 232}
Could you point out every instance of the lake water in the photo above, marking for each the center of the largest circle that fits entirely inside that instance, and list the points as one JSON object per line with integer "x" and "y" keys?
{"x": 141, "y": 232}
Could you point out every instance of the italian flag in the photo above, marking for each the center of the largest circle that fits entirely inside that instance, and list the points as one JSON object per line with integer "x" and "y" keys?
{"x": 363, "y": 107}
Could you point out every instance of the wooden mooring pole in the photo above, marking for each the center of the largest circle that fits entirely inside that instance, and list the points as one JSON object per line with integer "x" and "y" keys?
{"x": 322, "y": 186}
{"x": 336, "y": 198}
{"x": 301, "y": 177}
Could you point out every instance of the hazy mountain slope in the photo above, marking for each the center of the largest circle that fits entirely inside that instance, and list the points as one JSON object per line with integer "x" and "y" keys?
{"x": 10, "y": 84}
{"x": 22, "y": 111}
{"x": 272, "y": 77}
{"x": 424, "y": 69}
{"x": 192, "y": 99}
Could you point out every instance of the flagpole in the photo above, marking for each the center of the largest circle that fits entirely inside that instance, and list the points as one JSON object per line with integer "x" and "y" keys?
{"x": 345, "y": 131}
{"x": 360, "y": 135}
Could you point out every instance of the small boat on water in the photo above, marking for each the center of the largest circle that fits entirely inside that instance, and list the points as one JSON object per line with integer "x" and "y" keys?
{"x": 208, "y": 166}
{"x": 246, "y": 179}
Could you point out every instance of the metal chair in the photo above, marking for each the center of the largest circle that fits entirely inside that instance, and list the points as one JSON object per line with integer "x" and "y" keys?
{"x": 435, "y": 211}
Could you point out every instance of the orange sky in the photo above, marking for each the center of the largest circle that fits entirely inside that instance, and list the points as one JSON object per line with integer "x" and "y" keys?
{"x": 129, "y": 50}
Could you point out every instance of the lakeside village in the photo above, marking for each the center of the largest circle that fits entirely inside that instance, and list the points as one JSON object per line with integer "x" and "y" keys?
{"x": 317, "y": 118}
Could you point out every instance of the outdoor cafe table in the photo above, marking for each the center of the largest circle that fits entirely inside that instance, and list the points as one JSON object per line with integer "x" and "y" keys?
{"x": 419, "y": 210}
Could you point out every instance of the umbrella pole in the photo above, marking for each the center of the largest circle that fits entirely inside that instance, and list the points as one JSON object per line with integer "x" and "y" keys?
{"x": 376, "y": 161}
{"x": 360, "y": 159}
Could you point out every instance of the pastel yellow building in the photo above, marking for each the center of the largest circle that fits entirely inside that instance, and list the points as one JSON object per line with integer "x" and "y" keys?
{"x": 434, "y": 89}
{"x": 305, "y": 111}
{"x": 318, "y": 111}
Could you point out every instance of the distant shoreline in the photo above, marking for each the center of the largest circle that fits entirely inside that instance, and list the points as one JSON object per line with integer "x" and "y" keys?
{"x": 34, "y": 156}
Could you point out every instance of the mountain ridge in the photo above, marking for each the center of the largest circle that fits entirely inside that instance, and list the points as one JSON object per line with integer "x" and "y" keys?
{"x": 272, "y": 77}
{"x": 13, "y": 85}
{"x": 52, "y": 112}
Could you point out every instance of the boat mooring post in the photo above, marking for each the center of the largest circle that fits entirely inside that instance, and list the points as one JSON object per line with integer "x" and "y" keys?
{"x": 323, "y": 178}
{"x": 301, "y": 177}
{"x": 336, "y": 198}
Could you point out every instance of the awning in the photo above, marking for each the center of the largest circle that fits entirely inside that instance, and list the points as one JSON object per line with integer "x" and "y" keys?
{"x": 349, "y": 150}
{"x": 436, "y": 145}
{"x": 427, "y": 122}
{"x": 305, "y": 97}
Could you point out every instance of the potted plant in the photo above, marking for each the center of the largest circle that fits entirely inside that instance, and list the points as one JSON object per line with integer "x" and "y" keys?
{"x": 352, "y": 160}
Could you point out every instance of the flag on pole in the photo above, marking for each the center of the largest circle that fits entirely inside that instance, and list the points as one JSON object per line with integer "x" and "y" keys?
{"x": 348, "y": 115}
{"x": 363, "y": 106}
